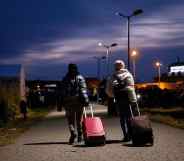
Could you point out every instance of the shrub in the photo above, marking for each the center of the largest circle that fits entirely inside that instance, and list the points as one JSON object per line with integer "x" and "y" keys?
{"x": 9, "y": 100}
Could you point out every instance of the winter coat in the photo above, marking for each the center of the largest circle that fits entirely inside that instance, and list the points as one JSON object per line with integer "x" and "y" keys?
{"x": 74, "y": 88}
{"x": 120, "y": 84}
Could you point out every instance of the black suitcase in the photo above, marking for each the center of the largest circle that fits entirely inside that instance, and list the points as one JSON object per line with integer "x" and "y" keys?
{"x": 141, "y": 129}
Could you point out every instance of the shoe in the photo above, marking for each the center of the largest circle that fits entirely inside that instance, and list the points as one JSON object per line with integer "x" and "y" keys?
{"x": 72, "y": 138}
{"x": 79, "y": 139}
{"x": 126, "y": 139}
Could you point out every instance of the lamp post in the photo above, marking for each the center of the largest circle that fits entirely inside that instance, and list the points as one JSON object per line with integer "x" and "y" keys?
{"x": 108, "y": 47}
{"x": 135, "y": 13}
{"x": 134, "y": 55}
{"x": 99, "y": 65}
{"x": 158, "y": 65}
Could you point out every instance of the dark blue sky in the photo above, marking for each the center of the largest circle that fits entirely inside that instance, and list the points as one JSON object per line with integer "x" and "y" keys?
{"x": 45, "y": 35}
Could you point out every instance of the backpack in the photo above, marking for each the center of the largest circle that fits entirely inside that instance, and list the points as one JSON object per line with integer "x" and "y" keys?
{"x": 119, "y": 87}
{"x": 72, "y": 87}
{"x": 118, "y": 83}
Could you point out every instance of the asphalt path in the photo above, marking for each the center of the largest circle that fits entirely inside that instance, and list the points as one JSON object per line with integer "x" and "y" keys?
{"x": 48, "y": 141}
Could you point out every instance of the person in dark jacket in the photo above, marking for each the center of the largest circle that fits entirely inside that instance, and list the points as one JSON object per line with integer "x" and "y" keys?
{"x": 121, "y": 86}
{"x": 23, "y": 109}
{"x": 74, "y": 94}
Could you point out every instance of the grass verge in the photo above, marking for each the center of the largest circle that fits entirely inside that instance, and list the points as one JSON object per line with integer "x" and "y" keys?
{"x": 15, "y": 128}
{"x": 173, "y": 116}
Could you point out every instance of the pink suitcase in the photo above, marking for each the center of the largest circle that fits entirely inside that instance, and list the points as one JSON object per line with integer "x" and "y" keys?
{"x": 93, "y": 130}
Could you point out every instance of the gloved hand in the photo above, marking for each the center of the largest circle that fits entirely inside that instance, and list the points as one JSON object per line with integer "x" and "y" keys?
{"x": 59, "y": 108}
{"x": 135, "y": 107}
{"x": 86, "y": 104}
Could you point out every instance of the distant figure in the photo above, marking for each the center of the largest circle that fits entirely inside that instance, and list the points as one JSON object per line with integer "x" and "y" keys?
{"x": 102, "y": 94}
{"x": 59, "y": 97}
{"x": 121, "y": 87}
{"x": 3, "y": 111}
{"x": 74, "y": 94}
{"x": 94, "y": 94}
{"x": 23, "y": 109}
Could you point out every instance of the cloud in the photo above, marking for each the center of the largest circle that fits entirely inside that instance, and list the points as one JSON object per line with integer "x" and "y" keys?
{"x": 162, "y": 29}
{"x": 52, "y": 33}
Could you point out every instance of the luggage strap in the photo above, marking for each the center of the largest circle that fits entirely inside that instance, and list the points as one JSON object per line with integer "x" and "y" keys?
{"x": 91, "y": 110}
{"x": 137, "y": 109}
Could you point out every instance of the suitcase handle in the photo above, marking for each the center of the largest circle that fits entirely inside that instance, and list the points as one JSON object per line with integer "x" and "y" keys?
{"x": 91, "y": 110}
{"x": 137, "y": 109}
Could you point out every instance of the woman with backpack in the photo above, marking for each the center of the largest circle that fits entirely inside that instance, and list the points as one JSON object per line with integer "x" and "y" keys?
{"x": 121, "y": 87}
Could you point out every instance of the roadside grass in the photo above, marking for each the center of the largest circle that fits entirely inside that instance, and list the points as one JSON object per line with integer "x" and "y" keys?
{"x": 13, "y": 129}
{"x": 172, "y": 116}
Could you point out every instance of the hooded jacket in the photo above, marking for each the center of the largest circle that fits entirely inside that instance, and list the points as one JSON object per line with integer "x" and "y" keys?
{"x": 121, "y": 81}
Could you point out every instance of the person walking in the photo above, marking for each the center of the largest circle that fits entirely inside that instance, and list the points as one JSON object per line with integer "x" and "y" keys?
{"x": 23, "y": 109}
{"x": 121, "y": 86}
{"x": 74, "y": 98}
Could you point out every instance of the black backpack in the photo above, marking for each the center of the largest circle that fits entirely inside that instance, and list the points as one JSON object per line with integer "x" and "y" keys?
{"x": 70, "y": 88}
{"x": 119, "y": 86}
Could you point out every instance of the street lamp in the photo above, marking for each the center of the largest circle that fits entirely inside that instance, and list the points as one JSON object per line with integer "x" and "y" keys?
{"x": 135, "y": 13}
{"x": 108, "y": 47}
{"x": 99, "y": 65}
{"x": 134, "y": 55}
{"x": 158, "y": 65}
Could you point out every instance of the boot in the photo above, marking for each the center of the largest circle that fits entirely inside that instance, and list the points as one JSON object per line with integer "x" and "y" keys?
{"x": 72, "y": 137}
{"x": 79, "y": 138}
{"x": 126, "y": 139}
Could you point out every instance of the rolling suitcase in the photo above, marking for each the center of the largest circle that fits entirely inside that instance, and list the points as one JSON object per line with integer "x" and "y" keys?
{"x": 141, "y": 130}
{"x": 93, "y": 130}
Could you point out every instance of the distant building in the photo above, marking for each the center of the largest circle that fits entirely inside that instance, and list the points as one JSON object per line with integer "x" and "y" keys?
{"x": 13, "y": 77}
{"x": 173, "y": 79}
{"x": 176, "y": 69}
{"x": 175, "y": 73}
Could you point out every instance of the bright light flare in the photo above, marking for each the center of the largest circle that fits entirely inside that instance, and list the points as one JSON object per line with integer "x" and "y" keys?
{"x": 134, "y": 53}
{"x": 100, "y": 44}
{"x": 158, "y": 64}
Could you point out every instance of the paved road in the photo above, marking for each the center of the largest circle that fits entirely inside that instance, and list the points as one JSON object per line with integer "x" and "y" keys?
{"x": 47, "y": 141}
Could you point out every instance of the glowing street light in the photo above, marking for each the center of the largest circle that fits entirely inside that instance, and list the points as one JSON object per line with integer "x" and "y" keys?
{"x": 134, "y": 55}
{"x": 108, "y": 47}
{"x": 158, "y": 65}
{"x": 135, "y": 13}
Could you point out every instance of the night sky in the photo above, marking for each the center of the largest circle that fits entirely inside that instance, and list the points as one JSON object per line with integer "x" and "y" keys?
{"x": 46, "y": 35}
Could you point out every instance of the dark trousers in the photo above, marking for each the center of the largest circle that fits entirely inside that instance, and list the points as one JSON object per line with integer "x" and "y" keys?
{"x": 125, "y": 115}
{"x": 75, "y": 116}
{"x": 74, "y": 112}
{"x": 123, "y": 107}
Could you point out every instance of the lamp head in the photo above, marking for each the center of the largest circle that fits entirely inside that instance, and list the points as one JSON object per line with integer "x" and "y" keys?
{"x": 134, "y": 53}
{"x": 137, "y": 12}
{"x": 119, "y": 14}
{"x": 158, "y": 64}
{"x": 114, "y": 44}
{"x": 100, "y": 44}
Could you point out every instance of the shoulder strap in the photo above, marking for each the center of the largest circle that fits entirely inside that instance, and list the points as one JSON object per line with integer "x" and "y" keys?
{"x": 119, "y": 80}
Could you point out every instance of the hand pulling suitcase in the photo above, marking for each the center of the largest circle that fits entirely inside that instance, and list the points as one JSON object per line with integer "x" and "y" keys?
{"x": 141, "y": 130}
{"x": 93, "y": 130}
